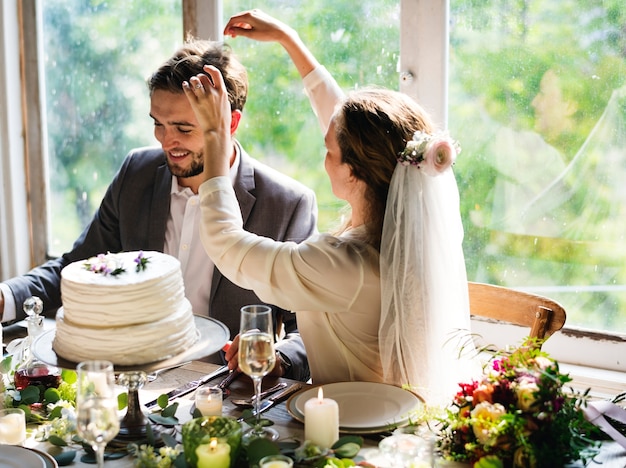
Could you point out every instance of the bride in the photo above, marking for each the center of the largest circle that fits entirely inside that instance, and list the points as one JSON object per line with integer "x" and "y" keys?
{"x": 380, "y": 300}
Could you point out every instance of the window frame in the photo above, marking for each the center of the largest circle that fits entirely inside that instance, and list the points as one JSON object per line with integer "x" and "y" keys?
{"x": 23, "y": 198}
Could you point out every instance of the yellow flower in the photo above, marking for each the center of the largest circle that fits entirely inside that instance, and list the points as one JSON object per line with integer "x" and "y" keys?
{"x": 485, "y": 418}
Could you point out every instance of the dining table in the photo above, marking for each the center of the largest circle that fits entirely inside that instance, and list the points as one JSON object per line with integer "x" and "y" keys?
{"x": 290, "y": 428}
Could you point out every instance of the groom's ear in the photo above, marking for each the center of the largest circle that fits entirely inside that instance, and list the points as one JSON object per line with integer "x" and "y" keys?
{"x": 234, "y": 121}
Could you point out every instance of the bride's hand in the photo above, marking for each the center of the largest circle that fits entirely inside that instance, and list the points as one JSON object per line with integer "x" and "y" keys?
{"x": 208, "y": 97}
{"x": 257, "y": 25}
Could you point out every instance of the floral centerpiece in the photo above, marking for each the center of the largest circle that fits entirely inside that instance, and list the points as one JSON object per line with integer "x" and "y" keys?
{"x": 518, "y": 414}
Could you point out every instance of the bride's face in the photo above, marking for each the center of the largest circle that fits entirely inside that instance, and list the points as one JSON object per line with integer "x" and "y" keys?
{"x": 339, "y": 173}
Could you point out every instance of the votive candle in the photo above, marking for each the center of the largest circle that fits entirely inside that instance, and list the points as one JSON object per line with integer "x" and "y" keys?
{"x": 321, "y": 420}
{"x": 215, "y": 454}
{"x": 209, "y": 401}
{"x": 276, "y": 461}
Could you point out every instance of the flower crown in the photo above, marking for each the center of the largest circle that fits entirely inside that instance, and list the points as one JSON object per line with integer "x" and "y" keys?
{"x": 432, "y": 154}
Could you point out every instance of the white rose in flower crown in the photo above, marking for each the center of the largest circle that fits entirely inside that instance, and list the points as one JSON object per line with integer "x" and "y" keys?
{"x": 484, "y": 421}
{"x": 526, "y": 391}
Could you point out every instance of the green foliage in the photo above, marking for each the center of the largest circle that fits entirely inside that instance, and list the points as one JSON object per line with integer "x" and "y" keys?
{"x": 200, "y": 431}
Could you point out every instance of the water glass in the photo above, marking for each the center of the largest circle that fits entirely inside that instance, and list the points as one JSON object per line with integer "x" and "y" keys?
{"x": 97, "y": 421}
{"x": 408, "y": 450}
{"x": 12, "y": 426}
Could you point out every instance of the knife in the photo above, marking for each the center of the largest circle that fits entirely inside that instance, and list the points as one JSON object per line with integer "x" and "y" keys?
{"x": 190, "y": 386}
{"x": 274, "y": 399}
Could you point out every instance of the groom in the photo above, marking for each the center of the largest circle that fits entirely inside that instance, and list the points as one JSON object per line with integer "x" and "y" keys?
{"x": 152, "y": 204}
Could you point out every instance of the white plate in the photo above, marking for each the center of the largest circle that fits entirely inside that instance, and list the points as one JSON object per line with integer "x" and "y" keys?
{"x": 13, "y": 456}
{"x": 48, "y": 459}
{"x": 364, "y": 407}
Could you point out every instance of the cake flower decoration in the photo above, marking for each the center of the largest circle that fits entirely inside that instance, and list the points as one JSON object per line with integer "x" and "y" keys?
{"x": 105, "y": 264}
{"x": 141, "y": 261}
{"x": 111, "y": 265}
{"x": 432, "y": 154}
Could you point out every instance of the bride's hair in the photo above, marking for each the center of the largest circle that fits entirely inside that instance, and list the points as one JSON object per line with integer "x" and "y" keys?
{"x": 372, "y": 126}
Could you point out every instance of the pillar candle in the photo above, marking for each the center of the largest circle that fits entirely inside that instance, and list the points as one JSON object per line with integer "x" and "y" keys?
{"x": 213, "y": 455}
{"x": 321, "y": 420}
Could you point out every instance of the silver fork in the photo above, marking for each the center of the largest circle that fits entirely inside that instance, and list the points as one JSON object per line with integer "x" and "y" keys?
{"x": 152, "y": 376}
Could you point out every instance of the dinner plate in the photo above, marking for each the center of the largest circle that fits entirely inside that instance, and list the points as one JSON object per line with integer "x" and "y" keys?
{"x": 48, "y": 459}
{"x": 364, "y": 407}
{"x": 14, "y": 456}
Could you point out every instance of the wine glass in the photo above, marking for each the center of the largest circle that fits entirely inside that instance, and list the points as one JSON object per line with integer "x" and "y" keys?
{"x": 97, "y": 421}
{"x": 257, "y": 358}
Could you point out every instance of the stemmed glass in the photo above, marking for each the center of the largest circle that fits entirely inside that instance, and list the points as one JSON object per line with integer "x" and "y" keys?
{"x": 97, "y": 421}
{"x": 257, "y": 358}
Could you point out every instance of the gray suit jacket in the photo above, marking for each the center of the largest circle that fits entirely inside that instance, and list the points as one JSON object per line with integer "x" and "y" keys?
{"x": 133, "y": 216}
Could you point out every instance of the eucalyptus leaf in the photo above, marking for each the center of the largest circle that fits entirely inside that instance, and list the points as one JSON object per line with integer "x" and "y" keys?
{"x": 51, "y": 395}
{"x": 170, "y": 411}
{"x": 27, "y": 411}
{"x": 58, "y": 441}
{"x": 169, "y": 439}
{"x": 162, "y": 401}
{"x": 348, "y": 450}
{"x": 64, "y": 458}
{"x": 180, "y": 461}
{"x": 30, "y": 395}
{"x": 259, "y": 448}
{"x": 348, "y": 439}
{"x": 122, "y": 401}
{"x": 115, "y": 455}
{"x": 5, "y": 364}
{"x": 163, "y": 421}
{"x": 151, "y": 439}
{"x": 69, "y": 376}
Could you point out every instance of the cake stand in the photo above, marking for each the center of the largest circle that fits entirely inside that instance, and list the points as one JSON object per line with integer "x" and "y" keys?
{"x": 134, "y": 424}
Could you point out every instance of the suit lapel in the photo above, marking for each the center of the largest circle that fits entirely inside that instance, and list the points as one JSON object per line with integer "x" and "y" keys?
{"x": 244, "y": 185}
{"x": 160, "y": 207}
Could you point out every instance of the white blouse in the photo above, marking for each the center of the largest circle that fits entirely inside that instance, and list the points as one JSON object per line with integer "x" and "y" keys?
{"x": 332, "y": 283}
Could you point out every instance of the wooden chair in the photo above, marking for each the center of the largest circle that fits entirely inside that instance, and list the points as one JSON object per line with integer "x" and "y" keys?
{"x": 544, "y": 316}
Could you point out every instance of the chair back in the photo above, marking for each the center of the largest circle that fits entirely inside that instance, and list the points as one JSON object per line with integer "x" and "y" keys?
{"x": 542, "y": 315}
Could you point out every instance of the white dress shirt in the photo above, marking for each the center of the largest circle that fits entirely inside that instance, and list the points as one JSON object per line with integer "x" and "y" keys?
{"x": 182, "y": 240}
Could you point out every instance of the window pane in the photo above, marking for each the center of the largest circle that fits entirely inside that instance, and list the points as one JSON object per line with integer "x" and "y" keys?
{"x": 97, "y": 57}
{"x": 538, "y": 100}
{"x": 359, "y": 44}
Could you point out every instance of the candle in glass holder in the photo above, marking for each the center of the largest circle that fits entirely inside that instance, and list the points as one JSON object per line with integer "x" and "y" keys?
{"x": 321, "y": 420}
{"x": 276, "y": 461}
{"x": 215, "y": 454}
{"x": 12, "y": 426}
{"x": 209, "y": 401}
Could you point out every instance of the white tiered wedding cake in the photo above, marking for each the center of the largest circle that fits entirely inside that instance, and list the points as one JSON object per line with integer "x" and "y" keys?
{"x": 128, "y": 308}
